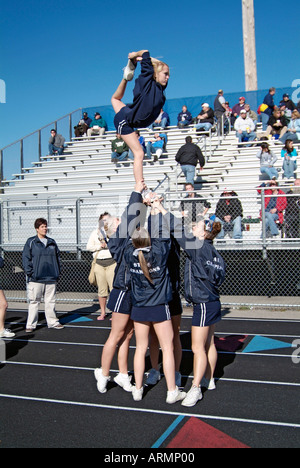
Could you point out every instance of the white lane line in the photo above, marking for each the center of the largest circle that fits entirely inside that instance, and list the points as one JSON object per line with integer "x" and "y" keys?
{"x": 151, "y": 411}
{"x": 91, "y": 369}
{"x": 29, "y": 341}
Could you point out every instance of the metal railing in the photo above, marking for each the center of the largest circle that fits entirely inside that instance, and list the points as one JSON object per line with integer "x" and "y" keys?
{"x": 31, "y": 147}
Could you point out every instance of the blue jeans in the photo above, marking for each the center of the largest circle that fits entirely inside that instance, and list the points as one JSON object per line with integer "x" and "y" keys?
{"x": 118, "y": 156}
{"x": 206, "y": 126}
{"x": 53, "y": 148}
{"x": 189, "y": 172}
{"x": 265, "y": 120}
{"x": 162, "y": 125}
{"x": 270, "y": 223}
{"x": 289, "y": 168}
{"x": 250, "y": 136}
{"x": 234, "y": 227}
{"x": 270, "y": 171}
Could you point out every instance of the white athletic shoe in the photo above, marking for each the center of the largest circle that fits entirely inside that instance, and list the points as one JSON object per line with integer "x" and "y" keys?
{"x": 129, "y": 70}
{"x": 137, "y": 393}
{"x": 6, "y": 334}
{"x": 193, "y": 396}
{"x": 101, "y": 380}
{"x": 174, "y": 396}
{"x": 124, "y": 381}
{"x": 209, "y": 384}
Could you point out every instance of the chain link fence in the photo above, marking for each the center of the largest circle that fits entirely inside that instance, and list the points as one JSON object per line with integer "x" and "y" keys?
{"x": 262, "y": 257}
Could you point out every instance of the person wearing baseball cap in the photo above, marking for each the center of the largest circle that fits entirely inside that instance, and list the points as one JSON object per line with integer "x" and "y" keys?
{"x": 244, "y": 127}
{"x": 205, "y": 119}
{"x": 236, "y": 110}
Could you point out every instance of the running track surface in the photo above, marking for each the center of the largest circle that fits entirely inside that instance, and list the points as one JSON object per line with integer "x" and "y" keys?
{"x": 49, "y": 398}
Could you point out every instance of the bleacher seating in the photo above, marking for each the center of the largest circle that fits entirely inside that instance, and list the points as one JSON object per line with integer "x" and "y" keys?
{"x": 85, "y": 170}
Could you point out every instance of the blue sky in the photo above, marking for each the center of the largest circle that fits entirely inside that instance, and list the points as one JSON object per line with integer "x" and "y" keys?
{"x": 57, "y": 56}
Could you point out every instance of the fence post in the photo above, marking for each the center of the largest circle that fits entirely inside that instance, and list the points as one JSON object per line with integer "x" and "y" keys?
{"x": 78, "y": 229}
{"x": 263, "y": 220}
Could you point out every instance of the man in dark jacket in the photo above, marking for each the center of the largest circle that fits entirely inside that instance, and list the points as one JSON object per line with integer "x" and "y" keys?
{"x": 188, "y": 156}
{"x": 41, "y": 263}
{"x": 229, "y": 212}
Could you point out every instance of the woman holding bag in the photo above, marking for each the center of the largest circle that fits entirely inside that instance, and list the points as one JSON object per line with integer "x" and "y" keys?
{"x": 103, "y": 264}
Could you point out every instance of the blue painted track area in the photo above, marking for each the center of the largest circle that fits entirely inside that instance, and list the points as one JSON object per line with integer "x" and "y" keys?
{"x": 49, "y": 397}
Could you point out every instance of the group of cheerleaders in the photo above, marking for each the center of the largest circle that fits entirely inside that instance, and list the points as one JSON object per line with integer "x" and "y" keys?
{"x": 145, "y": 297}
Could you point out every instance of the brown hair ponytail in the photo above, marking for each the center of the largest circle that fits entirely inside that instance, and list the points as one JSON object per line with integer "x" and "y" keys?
{"x": 141, "y": 239}
{"x": 216, "y": 229}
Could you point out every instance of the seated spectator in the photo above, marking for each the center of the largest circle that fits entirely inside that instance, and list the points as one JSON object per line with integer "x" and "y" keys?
{"x": 162, "y": 121}
{"x": 83, "y": 125}
{"x": 119, "y": 149}
{"x": 285, "y": 112}
{"x": 274, "y": 207}
{"x": 251, "y": 114}
{"x": 188, "y": 156}
{"x": 289, "y": 155}
{"x": 97, "y": 126}
{"x": 267, "y": 160}
{"x": 244, "y": 127}
{"x": 156, "y": 146}
{"x": 277, "y": 125}
{"x": 142, "y": 143}
{"x": 193, "y": 205}
{"x": 292, "y": 212}
{"x": 287, "y": 102}
{"x": 293, "y": 131}
{"x": 229, "y": 212}
{"x": 184, "y": 118}
{"x": 56, "y": 143}
{"x": 205, "y": 120}
{"x": 237, "y": 108}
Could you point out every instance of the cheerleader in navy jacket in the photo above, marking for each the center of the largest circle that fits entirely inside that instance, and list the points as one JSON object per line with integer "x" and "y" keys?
{"x": 151, "y": 293}
{"x": 120, "y": 297}
{"x": 204, "y": 274}
{"x": 148, "y": 101}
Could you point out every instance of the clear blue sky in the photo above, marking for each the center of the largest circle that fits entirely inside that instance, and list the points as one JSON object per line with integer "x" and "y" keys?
{"x": 57, "y": 56}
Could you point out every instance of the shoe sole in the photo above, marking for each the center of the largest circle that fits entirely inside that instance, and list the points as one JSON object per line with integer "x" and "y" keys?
{"x": 180, "y": 397}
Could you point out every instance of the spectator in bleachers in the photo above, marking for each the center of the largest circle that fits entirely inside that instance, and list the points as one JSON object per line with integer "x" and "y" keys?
{"x": 274, "y": 207}
{"x": 104, "y": 263}
{"x": 289, "y": 155}
{"x": 237, "y": 108}
{"x": 267, "y": 108}
{"x": 156, "y": 146}
{"x": 287, "y": 102}
{"x": 285, "y": 112}
{"x": 292, "y": 212}
{"x": 162, "y": 121}
{"x": 220, "y": 110}
{"x": 184, "y": 118}
{"x": 83, "y": 125}
{"x": 229, "y": 212}
{"x": 244, "y": 127}
{"x": 97, "y": 126}
{"x": 293, "y": 130}
{"x": 119, "y": 149}
{"x": 267, "y": 160}
{"x": 251, "y": 114}
{"x": 56, "y": 143}
{"x": 205, "y": 120}
{"x": 193, "y": 205}
{"x": 188, "y": 156}
{"x": 277, "y": 124}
